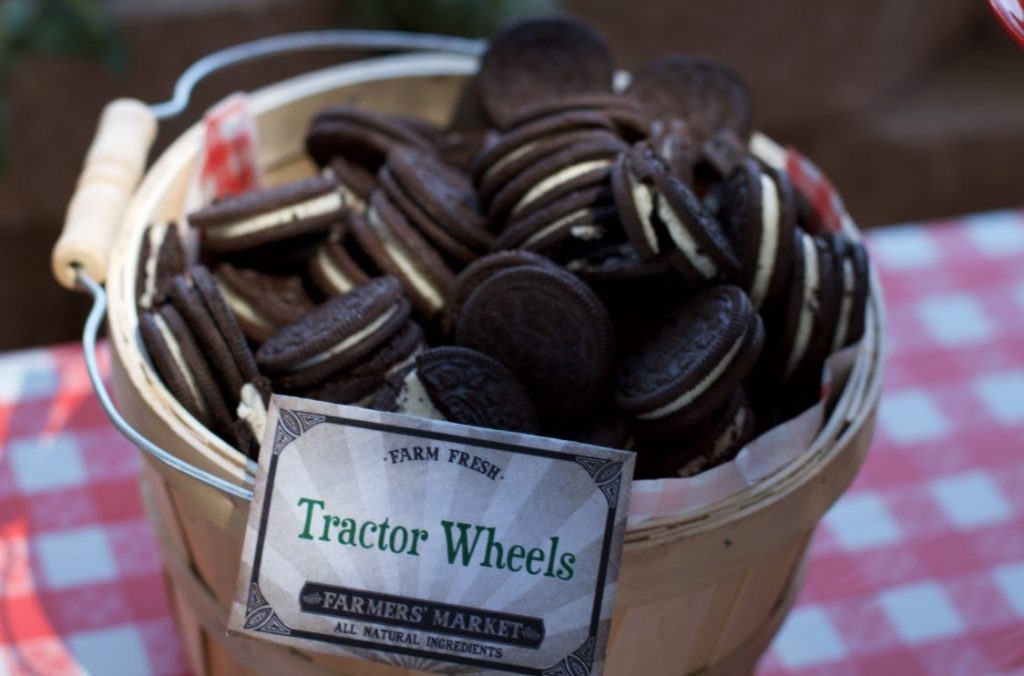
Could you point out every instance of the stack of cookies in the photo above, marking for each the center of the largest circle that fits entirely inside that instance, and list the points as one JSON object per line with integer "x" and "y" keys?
{"x": 609, "y": 266}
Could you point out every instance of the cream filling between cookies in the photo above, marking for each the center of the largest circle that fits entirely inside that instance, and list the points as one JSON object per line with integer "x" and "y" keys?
{"x": 553, "y": 227}
{"x": 769, "y": 241}
{"x": 243, "y": 309}
{"x": 718, "y": 449}
{"x": 806, "y": 325}
{"x": 550, "y": 182}
{"x": 507, "y": 159}
{"x": 690, "y": 396}
{"x": 413, "y": 399}
{"x": 251, "y": 409}
{"x": 335, "y": 275}
{"x": 685, "y": 242}
{"x": 421, "y": 284}
{"x": 311, "y": 208}
{"x": 347, "y": 344}
{"x": 643, "y": 201}
{"x": 845, "y": 307}
{"x": 155, "y": 235}
{"x": 179, "y": 360}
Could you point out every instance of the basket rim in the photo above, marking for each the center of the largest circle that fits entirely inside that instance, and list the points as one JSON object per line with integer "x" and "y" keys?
{"x": 180, "y": 156}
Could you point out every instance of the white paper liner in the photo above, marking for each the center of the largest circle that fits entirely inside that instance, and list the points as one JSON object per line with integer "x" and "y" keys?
{"x": 767, "y": 454}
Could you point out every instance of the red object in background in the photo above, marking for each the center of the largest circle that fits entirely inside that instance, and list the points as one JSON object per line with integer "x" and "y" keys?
{"x": 230, "y": 165}
{"x": 1011, "y": 15}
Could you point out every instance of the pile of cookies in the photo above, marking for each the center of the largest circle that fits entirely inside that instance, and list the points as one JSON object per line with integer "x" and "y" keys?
{"x": 613, "y": 267}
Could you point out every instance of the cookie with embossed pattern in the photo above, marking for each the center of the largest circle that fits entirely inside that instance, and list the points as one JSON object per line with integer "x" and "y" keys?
{"x": 439, "y": 201}
{"x": 357, "y": 385}
{"x": 161, "y": 258}
{"x": 334, "y": 335}
{"x": 363, "y": 137}
{"x": 540, "y": 59}
{"x": 708, "y": 95}
{"x": 263, "y": 303}
{"x": 470, "y": 278}
{"x": 689, "y": 365}
{"x": 465, "y": 386}
{"x": 717, "y": 439}
{"x": 550, "y": 329}
{"x": 294, "y": 212}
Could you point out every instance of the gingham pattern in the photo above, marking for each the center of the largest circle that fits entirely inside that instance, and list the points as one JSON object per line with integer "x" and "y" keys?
{"x": 81, "y": 588}
{"x": 919, "y": 569}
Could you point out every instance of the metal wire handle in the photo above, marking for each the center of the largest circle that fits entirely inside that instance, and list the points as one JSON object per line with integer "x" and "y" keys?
{"x": 309, "y": 40}
{"x": 289, "y": 42}
{"x": 89, "y": 333}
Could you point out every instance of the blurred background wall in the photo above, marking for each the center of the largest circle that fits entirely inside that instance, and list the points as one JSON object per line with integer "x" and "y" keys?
{"x": 914, "y": 109}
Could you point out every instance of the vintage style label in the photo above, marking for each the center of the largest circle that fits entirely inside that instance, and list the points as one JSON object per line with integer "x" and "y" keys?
{"x": 431, "y": 545}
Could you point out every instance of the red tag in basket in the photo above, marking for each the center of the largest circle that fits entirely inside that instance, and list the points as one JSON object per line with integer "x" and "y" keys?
{"x": 230, "y": 165}
{"x": 816, "y": 189}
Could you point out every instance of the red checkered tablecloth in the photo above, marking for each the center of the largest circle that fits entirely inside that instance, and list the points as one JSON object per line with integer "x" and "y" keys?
{"x": 919, "y": 569}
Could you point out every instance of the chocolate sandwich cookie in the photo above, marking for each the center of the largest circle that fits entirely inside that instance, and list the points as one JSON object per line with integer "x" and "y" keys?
{"x": 182, "y": 367}
{"x": 723, "y": 152}
{"x": 205, "y": 285}
{"x": 464, "y": 386}
{"x": 518, "y": 164}
{"x": 474, "y": 274}
{"x": 618, "y": 264}
{"x": 396, "y": 248}
{"x": 757, "y": 211}
{"x": 354, "y": 181}
{"x": 458, "y": 148}
{"x": 663, "y": 218}
{"x": 334, "y": 335}
{"x": 550, "y": 329}
{"x": 575, "y": 167}
{"x": 675, "y": 145}
{"x": 333, "y": 270}
{"x": 721, "y": 437}
{"x": 811, "y": 309}
{"x": 300, "y": 209}
{"x": 357, "y": 385}
{"x": 161, "y": 258}
{"x": 555, "y": 221}
{"x": 261, "y": 302}
{"x": 361, "y": 136}
{"x": 223, "y": 364}
{"x": 707, "y": 94}
{"x": 439, "y": 201}
{"x": 852, "y": 268}
{"x": 541, "y": 59}
{"x": 251, "y": 416}
{"x": 522, "y": 140}
{"x": 628, "y": 116}
{"x": 689, "y": 365}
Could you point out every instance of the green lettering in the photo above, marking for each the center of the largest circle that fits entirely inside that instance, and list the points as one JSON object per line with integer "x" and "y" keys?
{"x": 347, "y": 534}
{"x": 516, "y": 552}
{"x": 459, "y": 547}
{"x": 362, "y": 534}
{"x": 536, "y": 555}
{"x": 310, "y": 504}
{"x": 566, "y": 571}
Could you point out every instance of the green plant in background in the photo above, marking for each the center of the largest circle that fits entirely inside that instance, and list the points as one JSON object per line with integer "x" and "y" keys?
{"x": 471, "y": 18}
{"x": 79, "y": 28}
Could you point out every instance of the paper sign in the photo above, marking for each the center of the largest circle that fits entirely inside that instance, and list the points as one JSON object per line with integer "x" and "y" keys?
{"x": 430, "y": 545}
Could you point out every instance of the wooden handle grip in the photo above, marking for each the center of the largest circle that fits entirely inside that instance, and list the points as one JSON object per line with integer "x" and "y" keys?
{"x": 113, "y": 167}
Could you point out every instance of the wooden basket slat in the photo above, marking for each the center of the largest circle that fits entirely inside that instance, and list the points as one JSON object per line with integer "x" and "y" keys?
{"x": 757, "y": 598}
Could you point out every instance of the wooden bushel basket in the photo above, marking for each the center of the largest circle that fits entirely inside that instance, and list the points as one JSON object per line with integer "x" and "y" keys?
{"x": 700, "y": 593}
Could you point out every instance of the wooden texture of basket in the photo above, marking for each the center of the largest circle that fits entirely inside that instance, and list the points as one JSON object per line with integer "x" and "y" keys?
{"x": 703, "y": 593}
